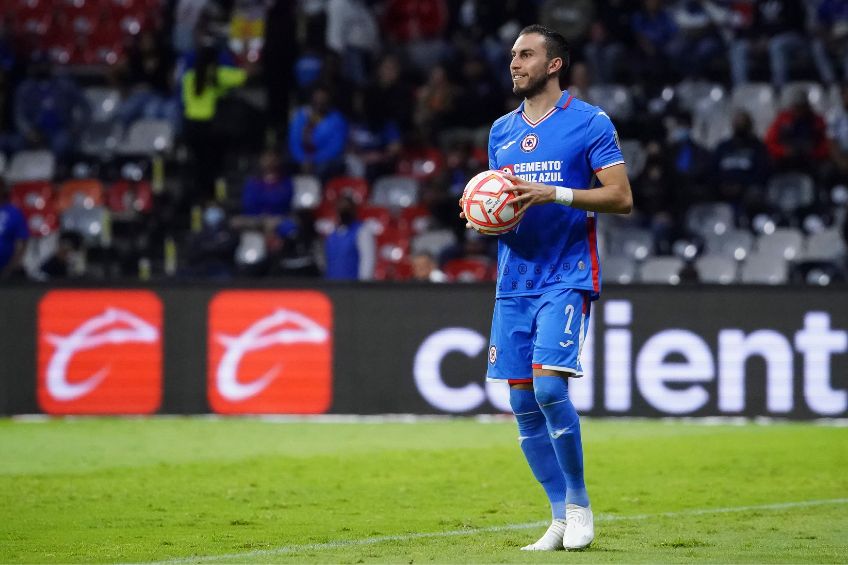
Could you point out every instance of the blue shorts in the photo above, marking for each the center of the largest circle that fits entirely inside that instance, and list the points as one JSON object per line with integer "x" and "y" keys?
{"x": 538, "y": 332}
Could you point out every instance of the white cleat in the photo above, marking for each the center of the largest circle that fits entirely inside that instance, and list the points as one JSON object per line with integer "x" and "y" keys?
{"x": 580, "y": 530}
{"x": 551, "y": 541}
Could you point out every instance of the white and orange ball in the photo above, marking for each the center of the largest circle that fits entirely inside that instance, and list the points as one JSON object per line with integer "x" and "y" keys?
{"x": 488, "y": 207}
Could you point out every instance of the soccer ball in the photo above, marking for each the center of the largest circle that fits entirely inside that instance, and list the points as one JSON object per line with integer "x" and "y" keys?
{"x": 487, "y": 207}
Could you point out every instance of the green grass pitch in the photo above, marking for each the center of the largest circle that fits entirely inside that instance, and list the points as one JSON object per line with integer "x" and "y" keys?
{"x": 454, "y": 491}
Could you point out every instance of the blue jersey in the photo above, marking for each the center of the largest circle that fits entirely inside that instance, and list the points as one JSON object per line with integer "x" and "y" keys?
{"x": 554, "y": 246}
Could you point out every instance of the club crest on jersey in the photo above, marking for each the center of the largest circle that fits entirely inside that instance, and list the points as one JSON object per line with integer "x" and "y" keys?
{"x": 493, "y": 354}
{"x": 529, "y": 143}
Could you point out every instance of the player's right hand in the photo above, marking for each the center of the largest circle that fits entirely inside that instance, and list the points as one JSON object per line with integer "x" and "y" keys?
{"x": 468, "y": 225}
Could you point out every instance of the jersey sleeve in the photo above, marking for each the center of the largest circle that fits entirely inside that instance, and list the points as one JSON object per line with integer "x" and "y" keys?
{"x": 493, "y": 166}
{"x": 602, "y": 143}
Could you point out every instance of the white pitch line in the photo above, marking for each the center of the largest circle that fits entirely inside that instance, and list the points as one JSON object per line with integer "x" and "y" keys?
{"x": 288, "y": 549}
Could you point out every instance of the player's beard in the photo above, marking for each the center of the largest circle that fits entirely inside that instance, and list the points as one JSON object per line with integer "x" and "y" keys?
{"x": 534, "y": 86}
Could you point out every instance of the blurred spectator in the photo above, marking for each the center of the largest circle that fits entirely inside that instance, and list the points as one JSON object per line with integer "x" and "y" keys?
{"x": 352, "y": 32}
{"x": 688, "y": 163}
{"x": 13, "y": 236}
{"x": 211, "y": 251}
{"x": 698, "y": 43}
{"x": 797, "y": 139}
{"x": 425, "y": 269}
{"x": 831, "y": 42}
{"x": 147, "y": 76}
{"x": 609, "y": 36}
{"x": 779, "y": 27}
{"x": 317, "y": 136}
{"x": 478, "y": 101}
{"x": 350, "y": 250}
{"x": 270, "y": 192}
{"x": 189, "y": 18}
{"x": 654, "y": 31}
{"x": 837, "y": 133}
{"x": 580, "y": 81}
{"x": 741, "y": 161}
{"x": 294, "y": 246}
{"x": 462, "y": 162}
{"x": 49, "y": 110}
{"x": 390, "y": 96}
{"x": 411, "y": 20}
{"x": 202, "y": 86}
{"x": 374, "y": 142}
{"x": 435, "y": 102}
{"x": 60, "y": 265}
{"x": 418, "y": 25}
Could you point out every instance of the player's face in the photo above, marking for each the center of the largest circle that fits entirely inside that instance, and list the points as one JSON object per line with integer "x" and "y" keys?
{"x": 530, "y": 65}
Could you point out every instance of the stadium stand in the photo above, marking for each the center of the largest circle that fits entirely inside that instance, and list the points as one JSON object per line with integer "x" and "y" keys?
{"x": 117, "y": 166}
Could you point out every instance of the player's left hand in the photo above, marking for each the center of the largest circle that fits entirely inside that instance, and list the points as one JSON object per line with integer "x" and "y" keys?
{"x": 530, "y": 193}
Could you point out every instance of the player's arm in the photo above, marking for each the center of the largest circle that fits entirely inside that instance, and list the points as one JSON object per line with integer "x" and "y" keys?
{"x": 613, "y": 196}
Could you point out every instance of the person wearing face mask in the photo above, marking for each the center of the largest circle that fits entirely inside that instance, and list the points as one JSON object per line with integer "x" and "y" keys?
{"x": 350, "y": 250}
{"x": 687, "y": 162}
{"x": 741, "y": 161}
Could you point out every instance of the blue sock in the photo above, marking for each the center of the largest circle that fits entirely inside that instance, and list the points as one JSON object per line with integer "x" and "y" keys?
{"x": 564, "y": 428}
{"x": 537, "y": 448}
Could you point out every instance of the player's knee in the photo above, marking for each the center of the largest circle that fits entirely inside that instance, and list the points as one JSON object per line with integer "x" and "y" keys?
{"x": 522, "y": 400}
{"x": 550, "y": 390}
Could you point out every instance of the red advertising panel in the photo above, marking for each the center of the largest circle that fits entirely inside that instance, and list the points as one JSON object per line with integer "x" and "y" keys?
{"x": 99, "y": 352}
{"x": 270, "y": 352}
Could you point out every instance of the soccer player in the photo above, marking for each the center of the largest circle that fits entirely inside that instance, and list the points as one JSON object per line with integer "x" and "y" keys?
{"x": 564, "y": 158}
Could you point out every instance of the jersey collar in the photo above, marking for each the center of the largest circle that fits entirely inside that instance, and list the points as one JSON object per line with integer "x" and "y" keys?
{"x": 563, "y": 102}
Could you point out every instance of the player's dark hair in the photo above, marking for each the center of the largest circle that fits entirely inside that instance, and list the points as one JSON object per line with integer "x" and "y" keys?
{"x": 555, "y": 44}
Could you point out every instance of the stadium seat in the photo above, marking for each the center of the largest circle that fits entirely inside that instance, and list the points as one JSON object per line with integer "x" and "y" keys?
{"x": 467, "y": 270}
{"x": 355, "y": 187}
{"x": 433, "y": 242}
{"x": 621, "y": 270}
{"x": 251, "y": 249}
{"x": 783, "y": 242}
{"x": 733, "y": 243}
{"x": 128, "y": 197}
{"x": 711, "y": 122}
{"x": 392, "y": 246}
{"x": 392, "y": 271}
{"x": 415, "y": 220}
{"x": 38, "y": 164}
{"x": 819, "y": 98}
{"x": 421, "y": 163}
{"x": 99, "y": 139}
{"x": 827, "y": 245}
{"x": 42, "y": 223}
{"x": 710, "y": 218}
{"x": 791, "y": 191}
{"x": 88, "y": 222}
{"x": 759, "y": 100}
{"x": 764, "y": 269}
{"x": 379, "y": 218}
{"x": 84, "y": 193}
{"x": 661, "y": 270}
{"x": 691, "y": 95}
{"x": 32, "y": 195}
{"x": 104, "y": 103}
{"x": 307, "y": 192}
{"x": 714, "y": 269}
{"x": 635, "y": 157}
{"x": 146, "y": 137}
{"x": 3, "y": 162}
{"x": 395, "y": 192}
{"x": 635, "y": 243}
{"x": 613, "y": 99}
